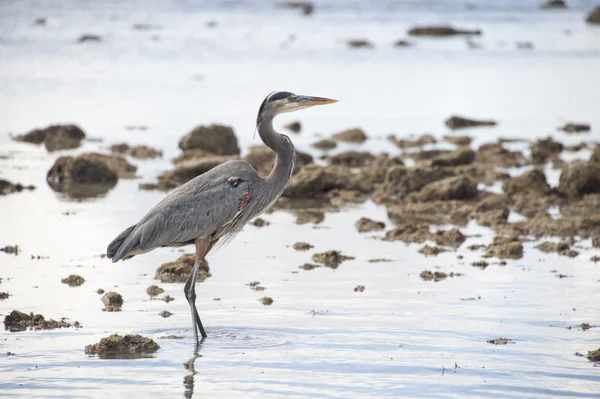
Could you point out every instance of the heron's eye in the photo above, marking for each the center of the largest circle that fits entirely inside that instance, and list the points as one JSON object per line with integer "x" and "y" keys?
{"x": 291, "y": 98}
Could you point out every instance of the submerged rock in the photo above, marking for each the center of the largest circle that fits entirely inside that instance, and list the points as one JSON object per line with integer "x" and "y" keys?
{"x": 575, "y": 127}
{"x": 116, "y": 346}
{"x": 55, "y": 137}
{"x": 20, "y": 321}
{"x": 89, "y": 37}
{"x": 580, "y": 178}
{"x": 179, "y": 271}
{"x": 216, "y": 139}
{"x": 359, "y": 43}
{"x": 73, "y": 280}
{"x": 441, "y": 30}
{"x": 331, "y": 258}
{"x": 403, "y": 43}
{"x": 553, "y": 4}
{"x": 350, "y": 136}
{"x": 302, "y": 246}
{"x": 365, "y": 225}
{"x": 459, "y": 122}
{"x": 7, "y": 187}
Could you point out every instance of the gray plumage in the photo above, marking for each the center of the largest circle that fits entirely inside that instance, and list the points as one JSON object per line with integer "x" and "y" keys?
{"x": 217, "y": 204}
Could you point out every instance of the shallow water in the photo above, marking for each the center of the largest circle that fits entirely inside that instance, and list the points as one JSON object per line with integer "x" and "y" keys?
{"x": 401, "y": 337}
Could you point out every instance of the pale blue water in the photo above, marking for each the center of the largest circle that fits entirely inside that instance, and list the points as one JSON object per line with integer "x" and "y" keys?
{"x": 401, "y": 337}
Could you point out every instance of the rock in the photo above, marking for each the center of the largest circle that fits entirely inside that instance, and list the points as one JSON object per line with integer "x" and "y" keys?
{"x": 542, "y": 150}
{"x": 116, "y": 163}
{"x": 154, "y": 290}
{"x": 459, "y": 122}
{"x": 309, "y": 266}
{"x": 352, "y": 159}
{"x": 420, "y": 141}
{"x": 306, "y": 7}
{"x": 531, "y": 182}
{"x": 315, "y": 181}
{"x": 262, "y": 159}
{"x": 496, "y": 155}
{"x": 595, "y": 157}
{"x": 302, "y": 246}
{"x": 186, "y": 171}
{"x": 165, "y": 314}
{"x": 88, "y": 37}
{"x": 359, "y": 288}
{"x": 428, "y": 275}
{"x": 350, "y": 136}
{"x": 460, "y": 157}
{"x": 309, "y": 216}
{"x": 73, "y": 280}
{"x": 458, "y": 140}
{"x": 435, "y": 212}
{"x": 100, "y": 291}
{"x": 431, "y": 251}
{"x": 493, "y": 217}
{"x": 580, "y": 178}
{"x": 450, "y": 188}
{"x": 365, "y": 225}
{"x": 594, "y": 16}
{"x": 113, "y": 301}
{"x": 191, "y": 155}
{"x": 4, "y": 295}
{"x": 503, "y": 247}
{"x": 139, "y": 151}
{"x": 562, "y": 248}
{"x": 325, "y": 144}
{"x": 575, "y": 127}
{"x": 55, "y": 137}
{"x": 19, "y": 321}
{"x": 39, "y": 21}
{"x": 524, "y": 45}
{"x": 500, "y": 341}
{"x": 594, "y": 356}
{"x": 441, "y": 30}
{"x": 403, "y": 43}
{"x": 69, "y": 171}
{"x": 116, "y": 346}
{"x": 266, "y": 300}
{"x": 7, "y": 187}
{"x": 359, "y": 43}
{"x": 294, "y": 127}
{"x": 400, "y": 181}
{"x": 10, "y": 249}
{"x": 450, "y": 238}
{"x": 331, "y": 258}
{"x": 553, "y": 4}
{"x": 179, "y": 271}
{"x": 216, "y": 139}
{"x": 259, "y": 222}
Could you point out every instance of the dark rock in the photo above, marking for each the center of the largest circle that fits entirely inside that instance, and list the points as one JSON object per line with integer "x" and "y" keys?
{"x": 165, "y": 314}
{"x": 594, "y": 16}
{"x": 19, "y": 321}
{"x": 302, "y": 246}
{"x": 122, "y": 347}
{"x": 451, "y": 188}
{"x": 350, "y": 136}
{"x": 575, "y": 127}
{"x": 594, "y": 356}
{"x": 139, "y": 151}
{"x": 359, "y": 288}
{"x": 216, "y": 139}
{"x": 460, "y": 157}
{"x": 260, "y": 222}
{"x": 7, "y": 187}
{"x": 266, "y": 300}
{"x": 542, "y": 150}
{"x": 531, "y": 182}
{"x": 580, "y": 178}
{"x": 331, "y": 258}
{"x": 365, "y": 225}
{"x": 154, "y": 290}
{"x": 359, "y": 43}
{"x": 400, "y": 181}
{"x": 352, "y": 159}
{"x": 403, "y": 43}
{"x": 68, "y": 171}
{"x": 113, "y": 301}
{"x": 325, "y": 144}
{"x": 459, "y": 122}
{"x": 309, "y": 216}
{"x": 553, "y": 4}
{"x": 428, "y": 275}
{"x": 294, "y": 127}
{"x": 89, "y": 38}
{"x": 116, "y": 163}
{"x": 315, "y": 181}
{"x": 73, "y": 280}
{"x": 55, "y": 137}
{"x": 10, "y": 249}
{"x": 503, "y": 247}
{"x": 179, "y": 271}
{"x": 441, "y": 30}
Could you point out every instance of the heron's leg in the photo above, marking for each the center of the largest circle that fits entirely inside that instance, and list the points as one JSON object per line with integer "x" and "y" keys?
{"x": 203, "y": 245}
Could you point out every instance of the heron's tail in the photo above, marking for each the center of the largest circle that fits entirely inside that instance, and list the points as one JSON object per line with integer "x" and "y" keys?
{"x": 117, "y": 243}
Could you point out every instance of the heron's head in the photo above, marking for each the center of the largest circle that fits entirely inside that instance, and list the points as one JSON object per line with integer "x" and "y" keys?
{"x": 279, "y": 102}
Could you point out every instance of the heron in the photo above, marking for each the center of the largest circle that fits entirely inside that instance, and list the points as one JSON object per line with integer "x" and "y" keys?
{"x": 217, "y": 204}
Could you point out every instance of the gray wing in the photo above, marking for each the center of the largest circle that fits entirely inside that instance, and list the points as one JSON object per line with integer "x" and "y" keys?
{"x": 197, "y": 209}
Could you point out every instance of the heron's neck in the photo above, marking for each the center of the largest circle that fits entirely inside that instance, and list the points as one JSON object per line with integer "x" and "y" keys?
{"x": 284, "y": 151}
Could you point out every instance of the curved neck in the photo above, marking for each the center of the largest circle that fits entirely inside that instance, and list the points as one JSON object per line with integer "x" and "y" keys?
{"x": 284, "y": 151}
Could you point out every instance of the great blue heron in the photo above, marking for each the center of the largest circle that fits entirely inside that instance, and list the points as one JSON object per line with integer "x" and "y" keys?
{"x": 218, "y": 203}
